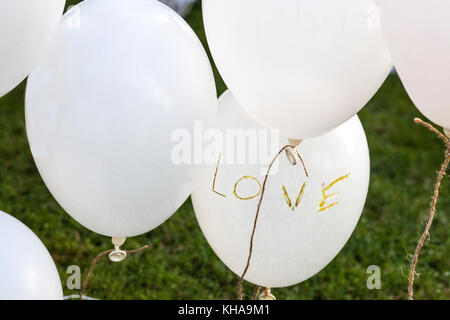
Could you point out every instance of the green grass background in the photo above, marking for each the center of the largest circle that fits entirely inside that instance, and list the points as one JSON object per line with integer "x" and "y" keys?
{"x": 181, "y": 265}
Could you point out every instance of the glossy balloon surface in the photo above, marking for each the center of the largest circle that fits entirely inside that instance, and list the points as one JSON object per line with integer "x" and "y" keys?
{"x": 301, "y": 66}
{"x": 25, "y": 29}
{"x": 121, "y": 76}
{"x": 27, "y": 271}
{"x": 417, "y": 33}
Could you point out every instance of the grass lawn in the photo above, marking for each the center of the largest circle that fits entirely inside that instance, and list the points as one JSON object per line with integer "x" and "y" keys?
{"x": 181, "y": 265}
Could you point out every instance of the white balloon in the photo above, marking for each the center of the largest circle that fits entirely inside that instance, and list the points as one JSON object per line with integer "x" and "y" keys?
{"x": 25, "y": 28}
{"x": 292, "y": 242}
{"x": 300, "y": 66}
{"x": 417, "y": 33}
{"x": 100, "y": 111}
{"x": 27, "y": 271}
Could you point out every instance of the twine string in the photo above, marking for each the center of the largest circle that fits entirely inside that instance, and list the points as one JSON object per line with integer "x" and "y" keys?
{"x": 426, "y": 233}
{"x": 256, "y": 292}
{"x": 97, "y": 259}
{"x": 263, "y": 189}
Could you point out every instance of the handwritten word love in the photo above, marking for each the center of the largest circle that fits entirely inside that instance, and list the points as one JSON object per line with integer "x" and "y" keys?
{"x": 324, "y": 204}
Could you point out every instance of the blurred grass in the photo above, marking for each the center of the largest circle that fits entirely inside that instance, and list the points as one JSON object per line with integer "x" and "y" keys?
{"x": 181, "y": 265}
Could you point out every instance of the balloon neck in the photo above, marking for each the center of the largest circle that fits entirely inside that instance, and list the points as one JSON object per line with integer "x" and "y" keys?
{"x": 290, "y": 152}
{"x": 117, "y": 254}
{"x": 447, "y": 132}
{"x": 294, "y": 142}
{"x": 267, "y": 295}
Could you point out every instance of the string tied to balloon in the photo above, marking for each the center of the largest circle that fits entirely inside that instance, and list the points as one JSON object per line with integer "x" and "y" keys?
{"x": 291, "y": 152}
{"x": 115, "y": 255}
{"x": 440, "y": 175}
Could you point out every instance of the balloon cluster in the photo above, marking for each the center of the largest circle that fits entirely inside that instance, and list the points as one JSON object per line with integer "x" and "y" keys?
{"x": 114, "y": 79}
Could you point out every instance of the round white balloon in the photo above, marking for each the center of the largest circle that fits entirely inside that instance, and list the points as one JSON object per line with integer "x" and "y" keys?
{"x": 418, "y": 40}
{"x": 27, "y": 271}
{"x": 300, "y": 66}
{"x": 304, "y": 221}
{"x": 25, "y": 28}
{"x": 101, "y": 109}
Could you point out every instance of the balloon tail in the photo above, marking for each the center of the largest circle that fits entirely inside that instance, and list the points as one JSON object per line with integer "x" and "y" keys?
{"x": 290, "y": 152}
{"x": 440, "y": 176}
{"x": 263, "y": 189}
{"x": 117, "y": 255}
{"x": 114, "y": 255}
{"x": 267, "y": 295}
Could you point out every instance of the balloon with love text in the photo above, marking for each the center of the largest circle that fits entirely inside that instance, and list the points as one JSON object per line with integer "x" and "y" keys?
{"x": 306, "y": 217}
